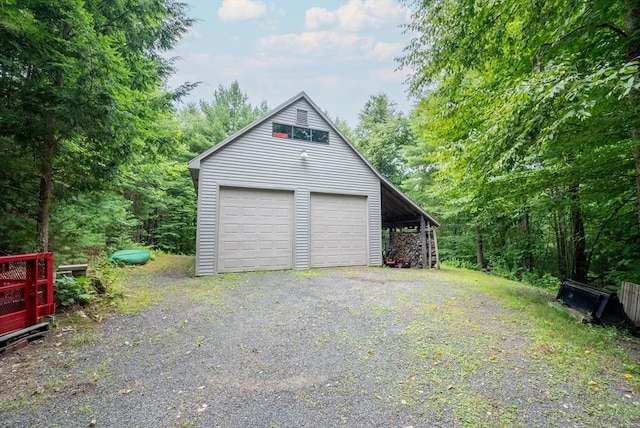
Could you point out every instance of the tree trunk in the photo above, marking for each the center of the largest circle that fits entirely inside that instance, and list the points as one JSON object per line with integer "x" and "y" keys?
{"x": 479, "y": 249}
{"x": 46, "y": 167}
{"x": 528, "y": 251}
{"x": 46, "y": 191}
{"x": 580, "y": 267}
{"x": 635, "y": 135}
{"x": 560, "y": 229}
{"x": 632, "y": 29}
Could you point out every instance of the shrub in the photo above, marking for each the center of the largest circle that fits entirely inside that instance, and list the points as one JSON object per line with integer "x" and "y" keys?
{"x": 69, "y": 291}
{"x": 459, "y": 263}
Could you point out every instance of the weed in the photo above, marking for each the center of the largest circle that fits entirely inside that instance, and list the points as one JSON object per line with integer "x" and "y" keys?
{"x": 185, "y": 423}
{"x": 85, "y": 409}
{"x": 82, "y": 339}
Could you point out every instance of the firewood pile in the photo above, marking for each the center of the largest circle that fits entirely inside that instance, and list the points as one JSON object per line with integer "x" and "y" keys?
{"x": 409, "y": 248}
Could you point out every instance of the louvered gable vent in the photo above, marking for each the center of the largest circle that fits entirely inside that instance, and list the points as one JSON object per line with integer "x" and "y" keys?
{"x": 301, "y": 117}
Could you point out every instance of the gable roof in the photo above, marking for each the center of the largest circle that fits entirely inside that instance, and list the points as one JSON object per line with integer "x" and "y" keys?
{"x": 397, "y": 209}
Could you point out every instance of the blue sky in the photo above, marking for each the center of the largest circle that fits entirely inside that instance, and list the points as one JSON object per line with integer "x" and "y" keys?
{"x": 338, "y": 51}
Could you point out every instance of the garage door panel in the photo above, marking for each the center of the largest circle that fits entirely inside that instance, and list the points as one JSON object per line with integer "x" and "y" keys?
{"x": 256, "y": 230}
{"x": 283, "y": 212}
{"x": 230, "y": 246}
{"x": 338, "y": 230}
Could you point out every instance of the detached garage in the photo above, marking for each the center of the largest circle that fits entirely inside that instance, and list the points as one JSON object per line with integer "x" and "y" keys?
{"x": 289, "y": 191}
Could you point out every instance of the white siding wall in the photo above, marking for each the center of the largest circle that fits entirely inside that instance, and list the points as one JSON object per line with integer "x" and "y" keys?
{"x": 259, "y": 160}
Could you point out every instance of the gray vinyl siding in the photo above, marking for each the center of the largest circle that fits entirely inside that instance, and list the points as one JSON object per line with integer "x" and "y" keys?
{"x": 206, "y": 225}
{"x": 302, "y": 234}
{"x": 257, "y": 159}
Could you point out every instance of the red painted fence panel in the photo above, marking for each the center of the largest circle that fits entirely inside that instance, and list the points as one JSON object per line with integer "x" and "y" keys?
{"x": 26, "y": 290}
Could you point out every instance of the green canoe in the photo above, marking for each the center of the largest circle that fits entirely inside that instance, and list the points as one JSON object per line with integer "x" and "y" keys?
{"x": 135, "y": 257}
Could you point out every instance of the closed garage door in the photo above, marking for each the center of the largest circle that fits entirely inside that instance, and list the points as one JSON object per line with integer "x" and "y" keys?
{"x": 338, "y": 230}
{"x": 256, "y": 230}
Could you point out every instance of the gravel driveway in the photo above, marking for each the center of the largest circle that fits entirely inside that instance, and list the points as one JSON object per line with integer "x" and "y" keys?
{"x": 362, "y": 347}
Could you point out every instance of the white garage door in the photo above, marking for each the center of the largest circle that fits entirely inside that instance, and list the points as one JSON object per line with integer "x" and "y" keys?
{"x": 256, "y": 230}
{"x": 338, "y": 230}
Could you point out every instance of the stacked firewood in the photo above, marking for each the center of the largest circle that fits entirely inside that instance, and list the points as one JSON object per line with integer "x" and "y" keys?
{"x": 409, "y": 247}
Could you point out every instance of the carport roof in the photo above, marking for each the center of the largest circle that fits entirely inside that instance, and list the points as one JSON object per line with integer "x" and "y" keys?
{"x": 397, "y": 209}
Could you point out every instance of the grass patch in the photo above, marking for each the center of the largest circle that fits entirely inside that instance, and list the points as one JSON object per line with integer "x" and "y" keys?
{"x": 463, "y": 367}
{"x": 82, "y": 339}
{"x": 310, "y": 273}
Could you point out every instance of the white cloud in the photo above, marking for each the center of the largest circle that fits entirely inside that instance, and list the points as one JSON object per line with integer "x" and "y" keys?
{"x": 319, "y": 17}
{"x": 383, "y": 50}
{"x": 316, "y": 43}
{"x": 388, "y": 74}
{"x": 192, "y": 34}
{"x": 357, "y": 15}
{"x": 239, "y": 10}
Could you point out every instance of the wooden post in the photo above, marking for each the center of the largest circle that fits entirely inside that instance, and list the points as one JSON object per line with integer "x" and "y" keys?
{"x": 435, "y": 243}
{"x": 430, "y": 246}
{"x": 423, "y": 238}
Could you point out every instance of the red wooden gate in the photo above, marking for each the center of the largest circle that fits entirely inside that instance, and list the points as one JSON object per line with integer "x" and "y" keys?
{"x": 26, "y": 290}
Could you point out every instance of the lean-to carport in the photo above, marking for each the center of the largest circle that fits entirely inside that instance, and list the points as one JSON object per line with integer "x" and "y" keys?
{"x": 399, "y": 212}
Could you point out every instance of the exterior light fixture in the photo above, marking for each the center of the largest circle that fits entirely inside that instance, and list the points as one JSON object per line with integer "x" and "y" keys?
{"x": 304, "y": 155}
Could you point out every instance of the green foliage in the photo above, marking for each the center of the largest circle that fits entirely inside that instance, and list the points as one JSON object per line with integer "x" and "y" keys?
{"x": 81, "y": 86}
{"x": 209, "y": 123}
{"x": 524, "y": 126}
{"x": 89, "y": 224}
{"x": 163, "y": 200}
{"x": 382, "y": 135}
{"x": 460, "y": 264}
{"x": 69, "y": 291}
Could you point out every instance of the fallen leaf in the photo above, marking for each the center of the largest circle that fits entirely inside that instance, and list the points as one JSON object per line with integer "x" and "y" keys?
{"x": 124, "y": 391}
{"x": 93, "y": 423}
{"x": 628, "y": 375}
{"x": 493, "y": 357}
{"x": 201, "y": 387}
{"x": 370, "y": 352}
{"x": 593, "y": 383}
{"x": 202, "y": 408}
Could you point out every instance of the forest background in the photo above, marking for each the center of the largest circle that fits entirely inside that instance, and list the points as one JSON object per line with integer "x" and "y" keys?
{"x": 524, "y": 141}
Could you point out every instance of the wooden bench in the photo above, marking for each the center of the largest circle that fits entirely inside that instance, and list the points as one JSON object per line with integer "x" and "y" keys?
{"x": 73, "y": 270}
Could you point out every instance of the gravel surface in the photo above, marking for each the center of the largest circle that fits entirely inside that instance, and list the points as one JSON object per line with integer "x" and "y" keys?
{"x": 364, "y": 347}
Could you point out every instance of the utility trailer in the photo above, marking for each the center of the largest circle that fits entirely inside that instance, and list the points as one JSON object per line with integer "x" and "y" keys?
{"x": 26, "y": 298}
